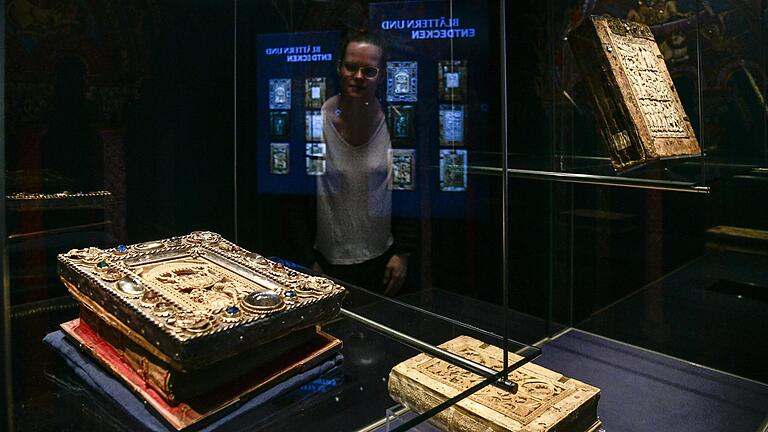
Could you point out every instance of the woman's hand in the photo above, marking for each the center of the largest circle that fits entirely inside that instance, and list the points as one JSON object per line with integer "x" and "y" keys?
{"x": 316, "y": 267}
{"x": 394, "y": 274}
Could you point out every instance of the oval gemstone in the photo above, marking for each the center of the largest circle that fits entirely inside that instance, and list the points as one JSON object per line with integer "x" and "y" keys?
{"x": 263, "y": 299}
{"x": 129, "y": 286}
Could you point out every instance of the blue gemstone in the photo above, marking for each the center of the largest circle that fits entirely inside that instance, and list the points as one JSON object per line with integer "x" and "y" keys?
{"x": 290, "y": 294}
{"x": 122, "y": 248}
{"x": 233, "y": 310}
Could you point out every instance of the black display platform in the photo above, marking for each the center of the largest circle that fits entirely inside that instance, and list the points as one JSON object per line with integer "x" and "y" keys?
{"x": 711, "y": 310}
{"x": 645, "y": 391}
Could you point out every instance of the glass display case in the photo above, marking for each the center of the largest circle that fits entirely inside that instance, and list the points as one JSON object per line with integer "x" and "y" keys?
{"x": 659, "y": 243}
{"x": 451, "y": 163}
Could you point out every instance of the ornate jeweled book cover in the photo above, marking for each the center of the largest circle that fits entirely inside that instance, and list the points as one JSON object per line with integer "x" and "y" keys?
{"x": 314, "y": 95}
{"x": 401, "y": 120}
{"x": 546, "y": 401}
{"x": 280, "y": 94}
{"x": 313, "y": 126}
{"x": 197, "y": 299}
{"x": 402, "y": 81}
{"x": 452, "y": 125}
{"x": 403, "y": 169}
{"x": 279, "y": 124}
{"x": 452, "y": 76}
{"x": 279, "y": 158}
{"x": 638, "y": 110}
{"x": 453, "y": 170}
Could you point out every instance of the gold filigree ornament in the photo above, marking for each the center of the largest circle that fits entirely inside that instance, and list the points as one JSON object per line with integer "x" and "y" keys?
{"x": 90, "y": 255}
{"x": 257, "y": 259}
{"x": 112, "y": 274}
{"x": 174, "y": 241}
{"x": 315, "y": 286}
{"x": 150, "y": 299}
{"x": 163, "y": 309}
{"x": 229, "y": 247}
{"x": 203, "y": 237}
{"x": 192, "y": 322}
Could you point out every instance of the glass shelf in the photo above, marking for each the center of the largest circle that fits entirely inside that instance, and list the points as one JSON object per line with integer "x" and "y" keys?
{"x": 692, "y": 175}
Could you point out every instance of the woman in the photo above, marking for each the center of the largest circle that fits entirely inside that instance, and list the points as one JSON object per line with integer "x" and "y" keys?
{"x": 354, "y": 240}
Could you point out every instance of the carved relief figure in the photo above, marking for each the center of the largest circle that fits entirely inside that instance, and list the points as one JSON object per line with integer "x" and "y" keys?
{"x": 653, "y": 12}
{"x": 675, "y": 47}
{"x": 714, "y": 33}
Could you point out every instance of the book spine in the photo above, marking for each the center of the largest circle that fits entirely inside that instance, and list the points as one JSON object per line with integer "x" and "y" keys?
{"x": 614, "y": 123}
{"x": 155, "y": 374}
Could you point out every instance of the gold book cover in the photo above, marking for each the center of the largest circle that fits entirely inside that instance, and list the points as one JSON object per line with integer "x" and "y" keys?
{"x": 638, "y": 110}
{"x": 546, "y": 401}
{"x": 198, "y": 299}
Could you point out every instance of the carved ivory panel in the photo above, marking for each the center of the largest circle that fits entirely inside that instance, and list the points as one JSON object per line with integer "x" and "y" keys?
{"x": 638, "y": 111}
{"x": 544, "y": 400}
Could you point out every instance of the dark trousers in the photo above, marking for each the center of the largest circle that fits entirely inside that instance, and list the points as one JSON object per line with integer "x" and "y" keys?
{"x": 368, "y": 274}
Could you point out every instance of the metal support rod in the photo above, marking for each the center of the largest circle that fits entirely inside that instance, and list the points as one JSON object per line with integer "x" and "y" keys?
{"x": 234, "y": 121}
{"x": 504, "y": 179}
{"x": 432, "y": 350}
{"x": 700, "y": 96}
{"x": 450, "y": 402}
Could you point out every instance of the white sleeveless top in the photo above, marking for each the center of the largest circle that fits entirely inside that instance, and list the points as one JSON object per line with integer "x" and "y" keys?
{"x": 354, "y": 203}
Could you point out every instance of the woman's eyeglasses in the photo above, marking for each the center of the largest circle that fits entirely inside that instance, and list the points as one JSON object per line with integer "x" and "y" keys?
{"x": 352, "y": 69}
